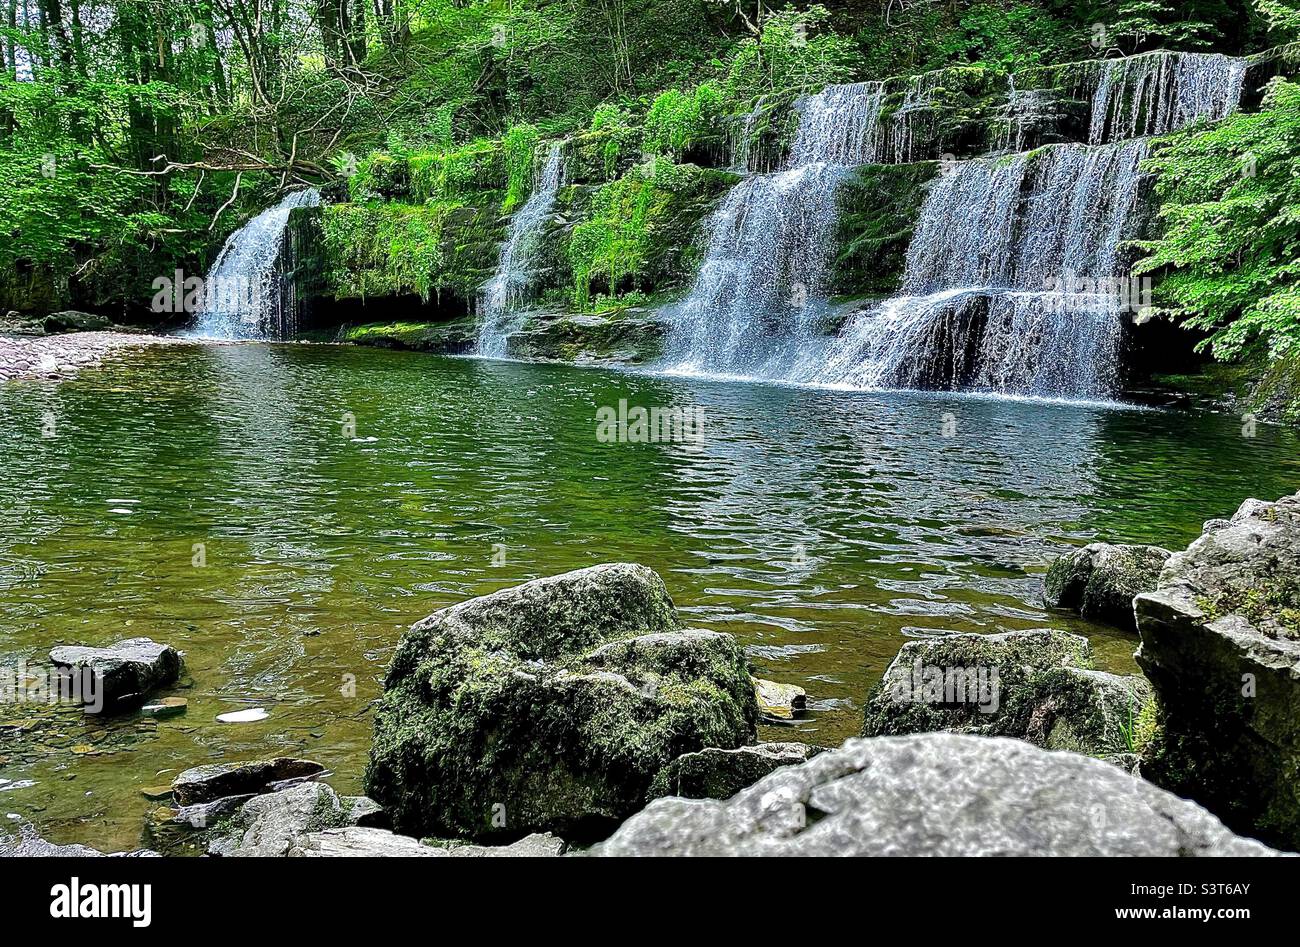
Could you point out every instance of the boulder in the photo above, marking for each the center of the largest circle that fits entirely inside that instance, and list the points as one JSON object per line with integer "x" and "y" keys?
{"x": 550, "y": 706}
{"x": 935, "y": 794}
{"x": 214, "y": 780}
{"x": 369, "y": 843}
{"x": 1033, "y": 685}
{"x": 1099, "y": 581}
{"x": 720, "y": 774}
{"x": 125, "y": 673}
{"x": 72, "y": 320}
{"x": 270, "y": 825}
{"x": 1221, "y": 645}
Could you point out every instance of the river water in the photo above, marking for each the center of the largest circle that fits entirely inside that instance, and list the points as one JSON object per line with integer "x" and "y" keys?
{"x": 340, "y": 494}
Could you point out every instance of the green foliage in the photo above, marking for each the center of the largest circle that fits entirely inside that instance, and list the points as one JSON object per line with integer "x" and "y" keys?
{"x": 1282, "y": 16}
{"x": 678, "y": 120}
{"x": 627, "y": 224}
{"x": 1150, "y": 24}
{"x": 520, "y": 148}
{"x": 617, "y": 132}
{"x": 797, "y": 52}
{"x": 388, "y": 250}
{"x": 1230, "y": 244}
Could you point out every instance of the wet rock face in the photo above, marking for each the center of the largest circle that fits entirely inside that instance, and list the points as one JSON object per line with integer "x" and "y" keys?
{"x": 935, "y": 794}
{"x": 1100, "y": 581}
{"x": 1037, "y": 686}
{"x": 125, "y": 673}
{"x": 1221, "y": 645}
{"x": 217, "y": 780}
{"x": 550, "y": 706}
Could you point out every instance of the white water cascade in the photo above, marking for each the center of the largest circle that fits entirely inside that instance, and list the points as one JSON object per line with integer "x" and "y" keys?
{"x": 1016, "y": 279}
{"x": 243, "y": 295}
{"x": 501, "y": 297}
{"x": 1157, "y": 93}
{"x": 1010, "y": 282}
{"x": 757, "y": 299}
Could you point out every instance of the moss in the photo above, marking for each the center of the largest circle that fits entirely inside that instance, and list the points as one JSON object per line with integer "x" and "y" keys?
{"x": 879, "y": 207}
{"x": 400, "y": 249}
{"x": 639, "y": 229}
{"x": 548, "y": 711}
{"x": 1273, "y": 606}
{"x": 520, "y": 150}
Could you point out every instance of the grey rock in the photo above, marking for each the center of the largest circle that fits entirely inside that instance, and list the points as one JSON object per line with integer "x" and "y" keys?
{"x": 271, "y": 825}
{"x": 365, "y": 812}
{"x": 1221, "y": 645}
{"x": 214, "y": 780}
{"x": 1100, "y": 580}
{"x": 29, "y": 845}
{"x": 354, "y": 842}
{"x": 719, "y": 774}
{"x": 1033, "y": 685}
{"x": 550, "y": 706}
{"x": 935, "y": 794}
{"x": 205, "y": 815}
{"x": 126, "y": 672}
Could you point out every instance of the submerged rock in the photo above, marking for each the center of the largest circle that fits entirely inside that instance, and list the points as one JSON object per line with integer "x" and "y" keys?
{"x": 126, "y": 672}
{"x": 935, "y": 794}
{"x": 1221, "y": 645}
{"x": 214, "y": 780}
{"x": 1033, "y": 685}
{"x": 550, "y": 706}
{"x": 1099, "y": 581}
{"x": 720, "y": 774}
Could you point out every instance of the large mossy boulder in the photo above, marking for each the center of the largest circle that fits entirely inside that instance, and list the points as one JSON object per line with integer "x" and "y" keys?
{"x": 935, "y": 794}
{"x": 1100, "y": 580}
{"x": 550, "y": 706}
{"x": 1221, "y": 645}
{"x": 1037, "y": 686}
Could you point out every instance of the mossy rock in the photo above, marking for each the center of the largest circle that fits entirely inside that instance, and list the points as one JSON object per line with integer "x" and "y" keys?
{"x": 879, "y": 206}
{"x": 550, "y": 706}
{"x": 1037, "y": 686}
{"x": 1101, "y": 580}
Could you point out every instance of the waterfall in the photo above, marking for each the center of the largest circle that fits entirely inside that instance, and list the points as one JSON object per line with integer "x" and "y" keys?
{"x": 243, "y": 296}
{"x": 1014, "y": 281}
{"x": 1157, "y": 93}
{"x": 759, "y": 294}
{"x": 501, "y": 297}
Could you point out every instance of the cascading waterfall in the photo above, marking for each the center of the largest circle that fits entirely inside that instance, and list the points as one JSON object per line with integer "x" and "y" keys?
{"x": 243, "y": 296}
{"x": 1157, "y": 93}
{"x": 1010, "y": 284}
{"x": 501, "y": 297}
{"x": 758, "y": 297}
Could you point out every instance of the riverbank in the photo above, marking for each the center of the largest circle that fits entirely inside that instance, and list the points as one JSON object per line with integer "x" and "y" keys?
{"x": 57, "y": 357}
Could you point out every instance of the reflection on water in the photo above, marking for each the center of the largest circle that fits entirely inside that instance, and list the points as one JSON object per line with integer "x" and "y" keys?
{"x": 821, "y": 527}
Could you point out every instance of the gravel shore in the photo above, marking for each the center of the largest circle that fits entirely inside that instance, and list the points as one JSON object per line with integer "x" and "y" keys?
{"x": 62, "y": 356}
